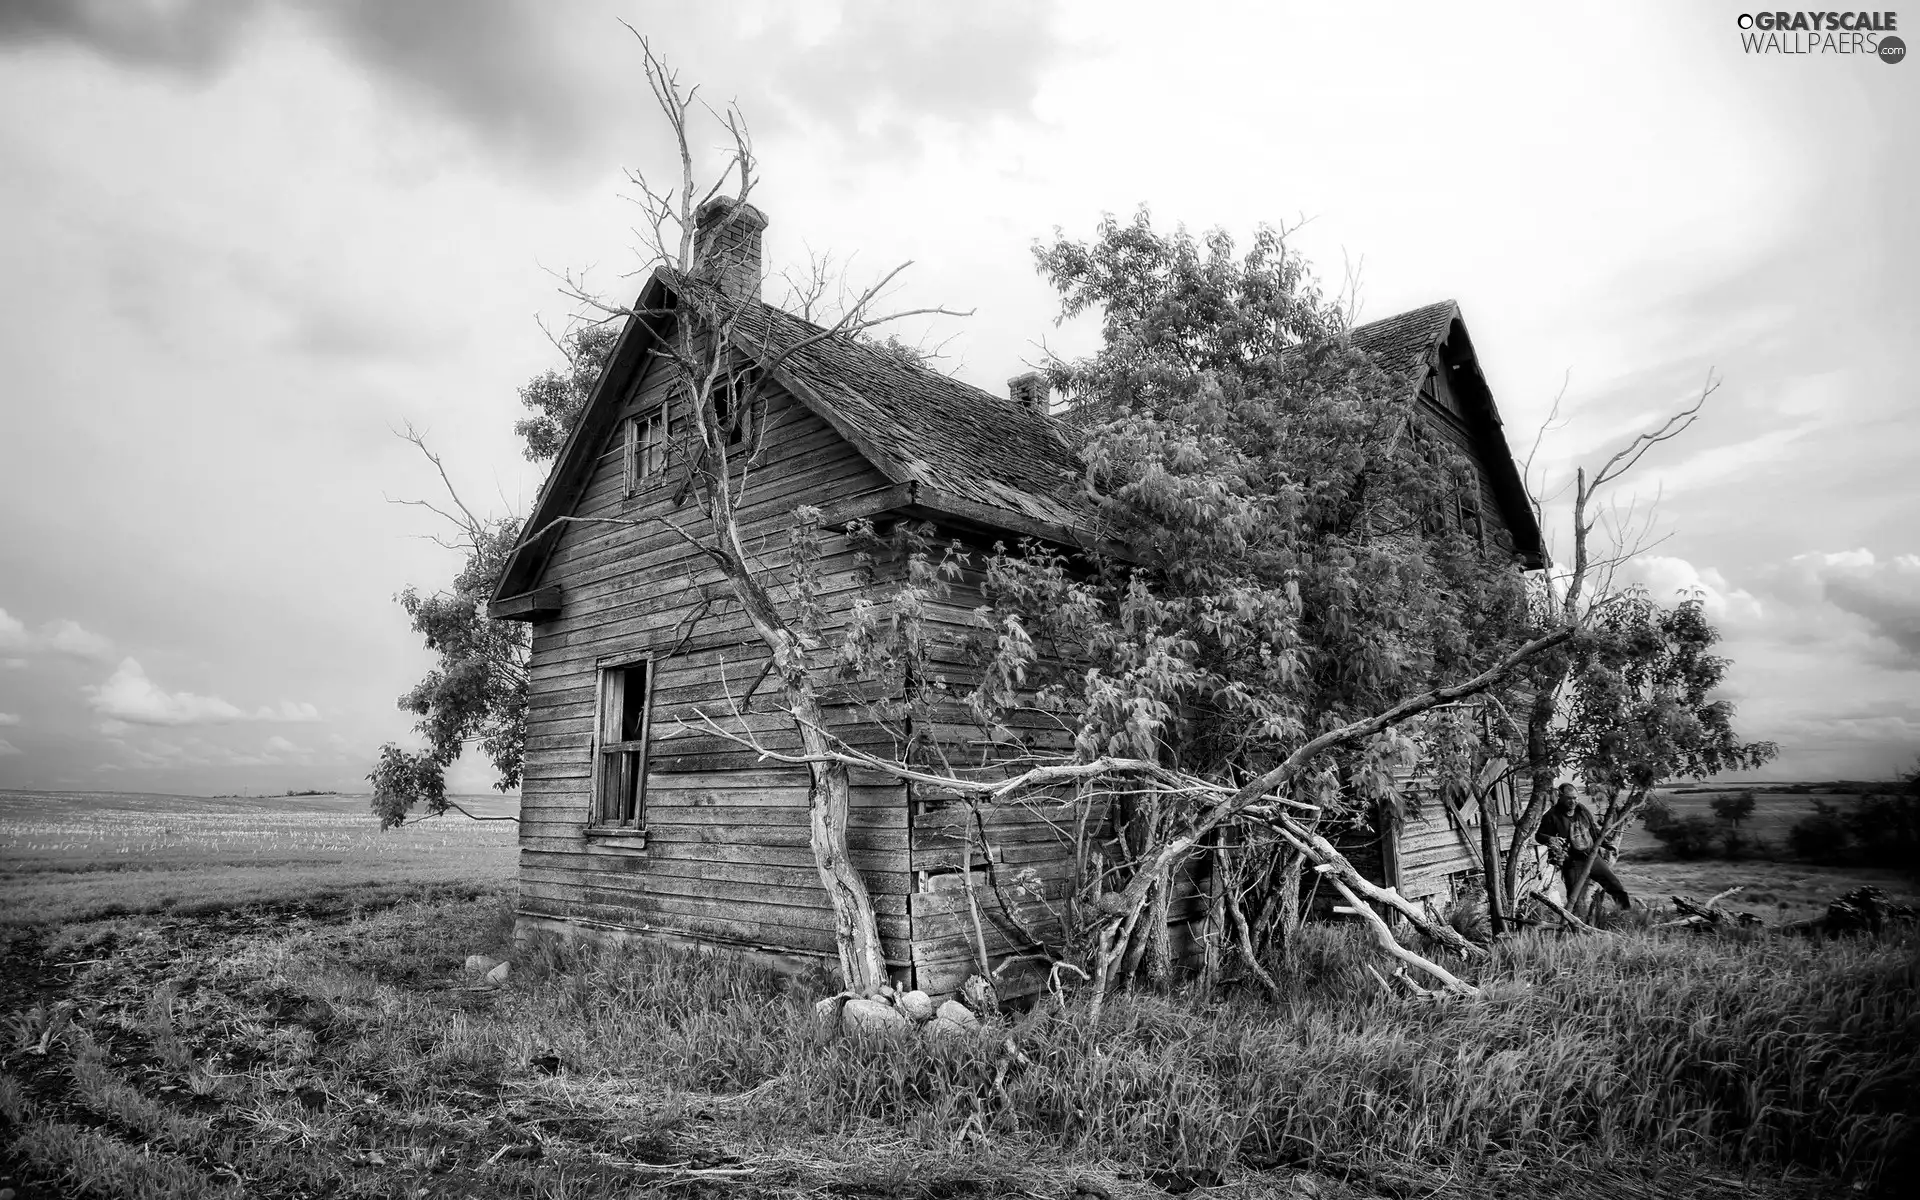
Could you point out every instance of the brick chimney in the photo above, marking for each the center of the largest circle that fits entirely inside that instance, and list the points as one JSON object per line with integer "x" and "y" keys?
{"x": 1029, "y": 391}
{"x": 726, "y": 246}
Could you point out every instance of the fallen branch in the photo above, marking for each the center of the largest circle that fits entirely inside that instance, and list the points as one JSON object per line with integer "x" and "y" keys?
{"x": 1574, "y": 923}
{"x": 1391, "y": 944}
{"x": 1341, "y": 873}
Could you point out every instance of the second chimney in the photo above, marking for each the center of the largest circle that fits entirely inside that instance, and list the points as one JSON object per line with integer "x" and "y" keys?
{"x": 1029, "y": 391}
{"x": 726, "y": 246}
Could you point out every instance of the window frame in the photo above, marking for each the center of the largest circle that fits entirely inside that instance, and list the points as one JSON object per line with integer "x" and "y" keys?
{"x": 643, "y": 449}
{"x": 601, "y": 822}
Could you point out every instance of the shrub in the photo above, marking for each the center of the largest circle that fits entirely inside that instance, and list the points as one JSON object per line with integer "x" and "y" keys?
{"x": 1690, "y": 837}
{"x": 1823, "y": 837}
{"x": 1886, "y": 830}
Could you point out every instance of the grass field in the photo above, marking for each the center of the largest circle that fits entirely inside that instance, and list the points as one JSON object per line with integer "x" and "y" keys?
{"x": 1774, "y": 813}
{"x": 1773, "y": 886}
{"x": 332, "y": 1045}
{"x": 68, "y": 856}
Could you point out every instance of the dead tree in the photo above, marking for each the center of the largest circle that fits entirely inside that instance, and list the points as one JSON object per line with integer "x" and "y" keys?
{"x": 710, "y": 340}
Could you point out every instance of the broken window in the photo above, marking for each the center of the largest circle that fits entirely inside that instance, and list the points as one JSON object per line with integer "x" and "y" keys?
{"x": 620, "y": 740}
{"x": 644, "y": 451}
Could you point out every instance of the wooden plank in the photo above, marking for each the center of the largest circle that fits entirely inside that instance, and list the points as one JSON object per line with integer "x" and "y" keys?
{"x": 736, "y": 865}
{"x": 620, "y": 911}
{"x": 728, "y": 894}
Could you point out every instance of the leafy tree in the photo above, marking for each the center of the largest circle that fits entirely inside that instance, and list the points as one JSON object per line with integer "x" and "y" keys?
{"x": 1640, "y": 707}
{"x": 1307, "y": 564}
{"x": 1735, "y": 808}
{"x": 557, "y": 397}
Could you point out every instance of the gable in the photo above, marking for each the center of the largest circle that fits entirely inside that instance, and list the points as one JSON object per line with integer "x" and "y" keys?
{"x": 1431, "y": 346}
{"x": 950, "y": 449}
{"x": 803, "y": 460}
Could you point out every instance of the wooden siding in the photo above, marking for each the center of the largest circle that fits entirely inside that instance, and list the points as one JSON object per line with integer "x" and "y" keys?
{"x": 1440, "y": 414}
{"x": 726, "y": 857}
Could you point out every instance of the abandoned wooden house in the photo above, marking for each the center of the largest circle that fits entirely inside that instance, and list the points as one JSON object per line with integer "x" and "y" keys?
{"x": 630, "y": 822}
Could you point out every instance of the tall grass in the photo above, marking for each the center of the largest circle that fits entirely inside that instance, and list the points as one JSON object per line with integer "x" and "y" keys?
{"x": 1762, "y": 1051}
{"x": 1594, "y": 1055}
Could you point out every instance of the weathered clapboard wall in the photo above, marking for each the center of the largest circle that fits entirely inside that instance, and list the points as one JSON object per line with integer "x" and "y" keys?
{"x": 725, "y": 857}
{"x": 1035, "y": 841}
{"x": 1436, "y": 848}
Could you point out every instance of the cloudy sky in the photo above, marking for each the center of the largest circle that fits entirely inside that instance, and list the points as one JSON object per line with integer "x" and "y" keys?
{"x": 241, "y": 242}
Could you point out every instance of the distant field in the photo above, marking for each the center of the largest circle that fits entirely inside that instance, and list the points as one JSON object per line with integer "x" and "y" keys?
{"x": 1774, "y": 885}
{"x": 68, "y": 856}
{"x": 1774, "y": 813}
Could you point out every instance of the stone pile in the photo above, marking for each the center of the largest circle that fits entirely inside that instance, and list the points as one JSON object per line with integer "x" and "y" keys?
{"x": 889, "y": 1009}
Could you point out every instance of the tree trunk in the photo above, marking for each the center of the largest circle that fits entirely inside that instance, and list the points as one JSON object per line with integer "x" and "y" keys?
{"x": 1292, "y": 872}
{"x": 1490, "y": 851}
{"x": 1216, "y": 918}
{"x": 1540, "y": 796}
{"x": 856, "y": 929}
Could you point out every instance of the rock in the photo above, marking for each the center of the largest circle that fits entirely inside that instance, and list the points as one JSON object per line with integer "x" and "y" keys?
{"x": 826, "y": 1016}
{"x": 480, "y": 964}
{"x": 862, "y": 1014}
{"x": 498, "y": 974}
{"x": 941, "y": 1030}
{"x": 916, "y": 1005}
{"x": 959, "y": 1014}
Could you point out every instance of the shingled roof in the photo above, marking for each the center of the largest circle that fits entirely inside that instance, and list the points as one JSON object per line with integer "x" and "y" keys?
{"x": 950, "y": 448}
{"x": 1404, "y": 341}
{"x": 916, "y": 425}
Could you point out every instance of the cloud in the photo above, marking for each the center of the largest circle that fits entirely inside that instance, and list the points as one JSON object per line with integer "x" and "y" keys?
{"x": 885, "y": 64}
{"x": 59, "y": 637}
{"x": 67, "y": 637}
{"x": 1819, "y": 664}
{"x": 1887, "y": 594}
{"x": 1883, "y": 594}
{"x": 498, "y": 67}
{"x": 7, "y": 748}
{"x": 13, "y": 664}
{"x": 1667, "y": 578}
{"x": 129, "y": 696}
{"x": 9, "y": 719}
{"x": 555, "y": 87}
{"x": 194, "y": 37}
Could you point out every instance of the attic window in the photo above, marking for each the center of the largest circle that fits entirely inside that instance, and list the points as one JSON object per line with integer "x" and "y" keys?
{"x": 644, "y": 449}
{"x": 621, "y": 728}
{"x": 723, "y": 403}
{"x": 727, "y": 397}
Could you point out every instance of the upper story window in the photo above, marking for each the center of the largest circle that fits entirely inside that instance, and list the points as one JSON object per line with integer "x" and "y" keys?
{"x": 644, "y": 450}
{"x": 733, "y": 406}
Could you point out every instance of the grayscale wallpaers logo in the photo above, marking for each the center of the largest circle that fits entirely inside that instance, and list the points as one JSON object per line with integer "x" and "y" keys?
{"x": 1862, "y": 33}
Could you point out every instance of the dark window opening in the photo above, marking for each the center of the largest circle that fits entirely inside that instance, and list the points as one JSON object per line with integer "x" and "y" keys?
{"x": 621, "y": 774}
